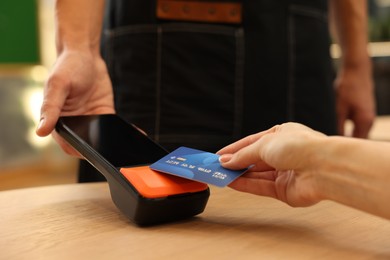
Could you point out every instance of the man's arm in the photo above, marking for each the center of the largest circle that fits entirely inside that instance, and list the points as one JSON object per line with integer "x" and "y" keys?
{"x": 79, "y": 82}
{"x": 79, "y": 24}
{"x": 354, "y": 85}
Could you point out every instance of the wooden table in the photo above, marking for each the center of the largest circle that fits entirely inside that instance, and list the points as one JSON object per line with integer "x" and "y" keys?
{"x": 381, "y": 129}
{"x": 79, "y": 221}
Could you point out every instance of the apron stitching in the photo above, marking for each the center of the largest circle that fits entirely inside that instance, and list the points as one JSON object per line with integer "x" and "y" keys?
{"x": 290, "y": 91}
{"x": 182, "y": 27}
{"x": 239, "y": 83}
{"x": 193, "y": 28}
{"x": 301, "y": 10}
{"x": 125, "y": 30}
{"x": 158, "y": 85}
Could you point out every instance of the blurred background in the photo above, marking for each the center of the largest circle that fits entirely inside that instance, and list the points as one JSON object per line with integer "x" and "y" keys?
{"x": 27, "y": 53}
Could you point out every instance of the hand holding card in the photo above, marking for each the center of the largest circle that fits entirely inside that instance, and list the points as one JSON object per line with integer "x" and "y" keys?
{"x": 196, "y": 165}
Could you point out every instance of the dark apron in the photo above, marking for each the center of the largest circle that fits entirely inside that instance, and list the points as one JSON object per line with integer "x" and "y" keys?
{"x": 206, "y": 85}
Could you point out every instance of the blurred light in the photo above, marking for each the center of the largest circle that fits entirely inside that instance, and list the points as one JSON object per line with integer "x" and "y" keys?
{"x": 383, "y": 3}
{"x": 39, "y": 73}
{"x": 32, "y": 104}
{"x": 375, "y": 49}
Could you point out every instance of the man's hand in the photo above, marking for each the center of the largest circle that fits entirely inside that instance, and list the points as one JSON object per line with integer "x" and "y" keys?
{"x": 79, "y": 84}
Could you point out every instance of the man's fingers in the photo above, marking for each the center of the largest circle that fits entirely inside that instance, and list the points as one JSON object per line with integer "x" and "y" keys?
{"x": 67, "y": 148}
{"x": 53, "y": 102}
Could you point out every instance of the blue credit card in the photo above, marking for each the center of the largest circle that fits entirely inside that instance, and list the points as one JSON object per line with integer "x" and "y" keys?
{"x": 196, "y": 165}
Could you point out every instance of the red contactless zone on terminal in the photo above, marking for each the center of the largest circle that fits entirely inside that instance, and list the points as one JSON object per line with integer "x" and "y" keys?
{"x": 152, "y": 184}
